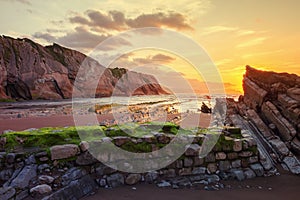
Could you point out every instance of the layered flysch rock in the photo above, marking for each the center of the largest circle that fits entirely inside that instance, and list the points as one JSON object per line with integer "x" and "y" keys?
{"x": 271, "y": 102}
{"x": 31, "y": 71}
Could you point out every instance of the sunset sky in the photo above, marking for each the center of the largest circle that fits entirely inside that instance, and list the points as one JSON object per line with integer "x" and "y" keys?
{"x": 260, "y": 33}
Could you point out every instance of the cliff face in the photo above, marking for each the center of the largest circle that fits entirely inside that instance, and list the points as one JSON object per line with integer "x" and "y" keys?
{"x": 270, "y": 109}
{"x": 31, "y": 71}
{"x": 274, "y": 98}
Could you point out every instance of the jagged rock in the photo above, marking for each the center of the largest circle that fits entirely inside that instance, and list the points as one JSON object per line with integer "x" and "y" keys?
{"x": 103, "y": 169}
{"x": 63, "y": 151}
{"x": 236, "y": 163}
{"x": 132, "y": 179}
{"x": 199, "y": 170}
{"x": 46, "y": 179}
{"x": 293, "y": 164}
{"x": 30, "y": 160}
{"x": 115, "y": 180}
{"x": 22, "y": 195}
{"x": 86, "y": 158}
{"x": 7, "y": 193}
{"x": 205, "y": 108}
{"x": 238, "y": 174}
{"x": 254, "y": 117}
{"x": 42, "y": 167}
{"x": 164, "y": 184}
{"x": 249, "y": 174}
{"x": 72, "y": 174}
{"x": 285, "y": 129}
{"x": 84, "y": 146}
{"x": 254, "y": 96}
{"x": 296, "y": 145}
{"x": 10, "y": 158}
{"x": 75, "y": 190}
{"x": 31, "y": 71}
{"x": 280, "y": 147}
{"x": 41, "y": 189}
{"x": 258, "y": 169}
{"x": 212, "y": 178}
{"x": 294, "y": 93}
{"x": 25, "y": 175}
{"x": 150, "y": 177}
{"x": 5, "y": 174}
{"x": 266, "y": 163}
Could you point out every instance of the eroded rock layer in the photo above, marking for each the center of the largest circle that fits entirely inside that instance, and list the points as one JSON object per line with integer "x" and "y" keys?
{"x": 29, "y": 70}
{"x": 271, "y": 102}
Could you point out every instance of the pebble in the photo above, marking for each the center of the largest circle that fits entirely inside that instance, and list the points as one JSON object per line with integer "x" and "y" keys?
{"x": 164, "y": 184}
{"x": 174, "y": 186}
{"x": 133, "y": 188}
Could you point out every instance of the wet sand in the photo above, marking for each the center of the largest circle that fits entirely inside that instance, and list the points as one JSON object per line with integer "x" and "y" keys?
{"x": 283, "y": 187}
{"x": 19, "y": 124}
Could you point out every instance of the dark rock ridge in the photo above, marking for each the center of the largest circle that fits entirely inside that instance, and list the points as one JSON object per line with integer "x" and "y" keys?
{"x": 29, "y": 70}
{"x": 271, "y": 102}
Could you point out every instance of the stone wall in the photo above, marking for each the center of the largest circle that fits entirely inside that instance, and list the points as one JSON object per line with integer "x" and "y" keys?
{"x": 70, "y": 172}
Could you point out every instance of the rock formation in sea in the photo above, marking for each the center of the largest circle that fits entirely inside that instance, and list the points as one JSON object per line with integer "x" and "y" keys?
{"x": 271, "y": 106}
{"x": 29, "y": 70}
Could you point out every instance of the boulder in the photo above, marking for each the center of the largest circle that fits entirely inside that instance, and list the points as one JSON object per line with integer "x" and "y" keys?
{"x": 63, "y": 151}
{"x": 115, "y": 180}
{"x": 46, "y": 179}
{"x": 22, "y": 180}
{"x": 84, "y": 146}
{"x": 41, "y": 189}
{"x": 238, "y": 174}
{"x": 293, "y": 164}
{"x": 249, "y": 173}
{"x": 258, "y": 169}
{"x": 132, "y": 179}
{"x": 280, "y": 147}
{"x": 72, "y": 174}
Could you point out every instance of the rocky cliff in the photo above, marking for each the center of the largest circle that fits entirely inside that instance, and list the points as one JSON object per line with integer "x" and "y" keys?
{"x": 271, "y": 103}
{"x": 31, "y": 71}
